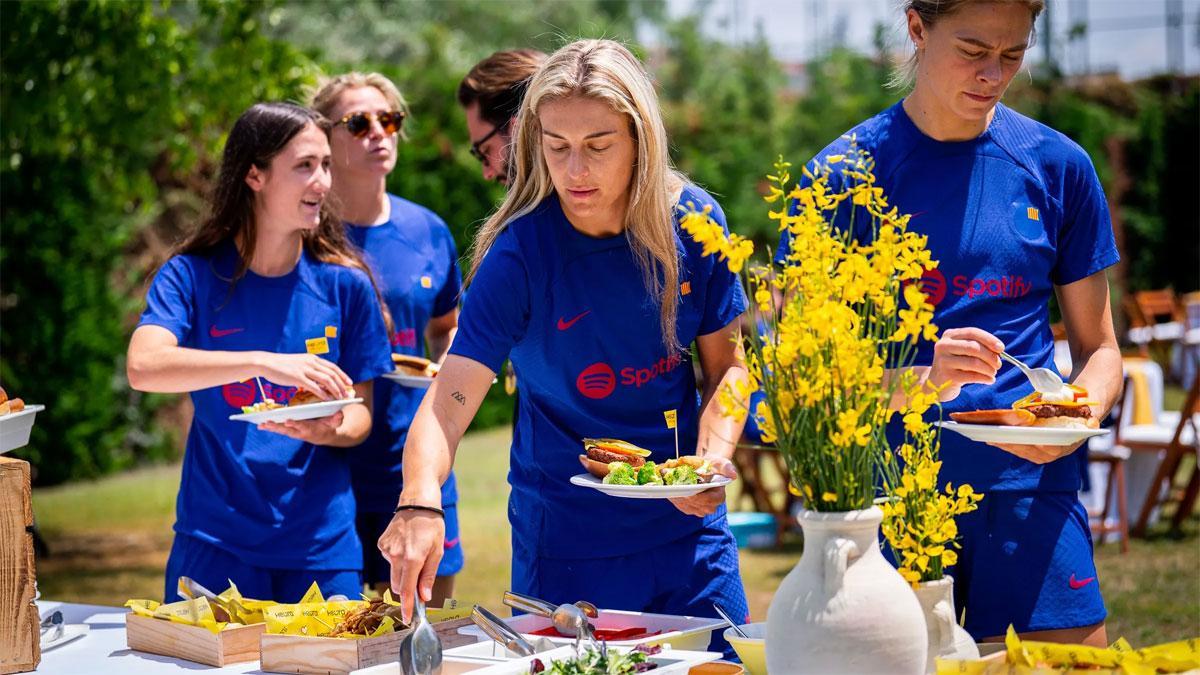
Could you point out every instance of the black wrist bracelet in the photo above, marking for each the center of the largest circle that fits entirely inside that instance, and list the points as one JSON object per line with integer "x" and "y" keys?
{"x": 419, "y": 507}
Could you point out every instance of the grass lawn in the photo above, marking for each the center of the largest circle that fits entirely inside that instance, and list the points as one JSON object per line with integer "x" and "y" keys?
{"x": 109, "y": 541}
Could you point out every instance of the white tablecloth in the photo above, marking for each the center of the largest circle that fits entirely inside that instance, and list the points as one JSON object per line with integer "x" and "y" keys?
{"x": 103, "y": 649}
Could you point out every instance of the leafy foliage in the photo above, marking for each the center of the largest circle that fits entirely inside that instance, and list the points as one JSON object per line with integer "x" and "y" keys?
{"x": 115, "y": 114}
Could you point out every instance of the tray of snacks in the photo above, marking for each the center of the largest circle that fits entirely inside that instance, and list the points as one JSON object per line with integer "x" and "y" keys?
{"x": 348, "y": 635}
{"x": 215, "y": 634}
{"x": 1028, "y": 657}
{"x": 304, "y": 405}
{"x": 16, "y": 421}
{"x": 620, "y": 628}
{"x": 622, "y": 469}
{"x": 1063, "y": 418}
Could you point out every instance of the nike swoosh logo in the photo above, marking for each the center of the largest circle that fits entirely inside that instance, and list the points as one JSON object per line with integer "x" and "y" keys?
{"x": 1076, "y": 585}
{"x": 222, "y": 332}
{"x": 450, "y": 543}
{"x": 563, "y": 325}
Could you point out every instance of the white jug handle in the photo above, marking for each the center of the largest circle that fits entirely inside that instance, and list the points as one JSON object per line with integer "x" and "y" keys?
{"x": 838, "y": 552}
{"x": 944, "y": 622}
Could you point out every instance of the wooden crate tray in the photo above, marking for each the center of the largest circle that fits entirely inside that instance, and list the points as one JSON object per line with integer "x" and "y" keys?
{"x": 193, "y": 643}
{"x": 338, "y": 656}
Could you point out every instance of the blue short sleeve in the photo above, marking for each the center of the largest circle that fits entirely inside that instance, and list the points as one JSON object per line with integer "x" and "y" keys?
{"x": 447, "y": 297}
{"x": 495, "y": 311}
{"x": 724, "y": 298}
{"x": 366, "y": 352}
{"x": 1086, "y": 243}
{"x": 171, "y": 300}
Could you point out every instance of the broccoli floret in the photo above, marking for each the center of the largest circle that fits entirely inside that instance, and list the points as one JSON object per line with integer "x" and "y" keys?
{"x": 648, "y": 475}
{"x": 620, "y": 473}
{"x": 681, "y": 475}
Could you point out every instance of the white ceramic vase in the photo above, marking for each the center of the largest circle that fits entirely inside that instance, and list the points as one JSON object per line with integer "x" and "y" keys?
{"x": 947, "y": 639}
{"x": 844, "y": 608}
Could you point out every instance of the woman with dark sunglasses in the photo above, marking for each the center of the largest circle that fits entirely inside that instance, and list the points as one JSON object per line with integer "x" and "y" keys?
{"x": 266, "y": 297}
{"x": 412, "y": 253}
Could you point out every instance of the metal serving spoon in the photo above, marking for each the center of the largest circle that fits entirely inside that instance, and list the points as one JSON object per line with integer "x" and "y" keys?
{"x": 421, "y": 649}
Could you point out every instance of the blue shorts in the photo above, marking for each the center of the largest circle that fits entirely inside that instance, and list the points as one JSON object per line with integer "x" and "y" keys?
{"x": 680, "y": 577}
{"x": 376, "y": 568}
{"x": 1026, "y": 560}
{"x": 214, "y": 568}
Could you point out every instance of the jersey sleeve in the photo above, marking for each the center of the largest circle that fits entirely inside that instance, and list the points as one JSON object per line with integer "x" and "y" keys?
{"x": 496, "y": 310}
{"x": 171, "y": 300}
{"x": 365, "y": 351}
{"x": 724, "y": 299}
{"x": 1086, "y": 243}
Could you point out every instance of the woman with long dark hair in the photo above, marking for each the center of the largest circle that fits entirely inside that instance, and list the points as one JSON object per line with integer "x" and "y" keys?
{"x": 266, "y": 297}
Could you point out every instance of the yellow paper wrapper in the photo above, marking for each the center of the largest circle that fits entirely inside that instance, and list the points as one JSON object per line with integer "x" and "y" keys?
{"x": 194, "y": 612}
{"x": 315, "y": 619}
{"x": 1027, "y": 657}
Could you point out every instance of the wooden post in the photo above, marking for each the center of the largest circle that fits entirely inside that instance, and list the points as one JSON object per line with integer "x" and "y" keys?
{"x": 20, "y": 641}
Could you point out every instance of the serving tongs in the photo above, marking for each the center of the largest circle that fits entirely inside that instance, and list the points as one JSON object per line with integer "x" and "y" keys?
{"x": 223, "y": 610}
{"x": 495, "y": 628}
{"x": 569, "y": 620}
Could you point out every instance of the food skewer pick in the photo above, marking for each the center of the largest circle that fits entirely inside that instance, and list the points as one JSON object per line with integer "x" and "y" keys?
{"x": 672, "y": 418}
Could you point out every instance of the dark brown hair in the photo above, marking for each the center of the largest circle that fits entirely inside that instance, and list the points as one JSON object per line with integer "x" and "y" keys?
{"x": 260, "y": 134}
{"x": 498, "y": 83}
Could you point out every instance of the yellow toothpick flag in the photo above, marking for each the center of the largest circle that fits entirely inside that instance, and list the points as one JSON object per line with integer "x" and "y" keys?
{"x": 672, "y": 417}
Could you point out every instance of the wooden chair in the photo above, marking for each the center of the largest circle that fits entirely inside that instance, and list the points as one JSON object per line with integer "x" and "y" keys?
{"x": 1181, "y": 443}
{"x": 1114, "y": 490}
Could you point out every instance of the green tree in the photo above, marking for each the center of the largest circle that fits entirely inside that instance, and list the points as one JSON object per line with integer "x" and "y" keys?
{"x": 112, "y": 117}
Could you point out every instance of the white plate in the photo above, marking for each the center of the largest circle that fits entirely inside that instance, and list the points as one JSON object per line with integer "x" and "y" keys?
{"x": 646, "y": 491}
{"x": 308, "y": 411}
{"x": 414, "y": 381}
{"x": 987, "y": 433}
{"x": 70, "y": 632}
{"x": 16, "y": 427}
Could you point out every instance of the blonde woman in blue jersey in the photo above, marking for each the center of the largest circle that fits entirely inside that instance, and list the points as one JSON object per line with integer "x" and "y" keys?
{"x": 585, "y": 281}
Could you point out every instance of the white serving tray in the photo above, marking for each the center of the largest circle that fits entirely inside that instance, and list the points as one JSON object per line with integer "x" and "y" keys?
{"x": 680, "y": 632}
{"x": 16, "y": 427}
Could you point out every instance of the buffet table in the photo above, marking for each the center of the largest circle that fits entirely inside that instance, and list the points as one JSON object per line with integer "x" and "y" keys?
{"x": 102, "y": 650}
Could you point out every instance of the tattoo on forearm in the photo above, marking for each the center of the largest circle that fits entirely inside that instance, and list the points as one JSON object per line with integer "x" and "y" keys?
{"x": 458, "y": 396}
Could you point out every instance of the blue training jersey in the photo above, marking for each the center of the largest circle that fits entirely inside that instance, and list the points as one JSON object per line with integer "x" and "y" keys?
{"x": 273, "y": 501}
{"x": 574, "y": 316}
{"x": 1009, "y": 215}
{"x": 415, "y": 262}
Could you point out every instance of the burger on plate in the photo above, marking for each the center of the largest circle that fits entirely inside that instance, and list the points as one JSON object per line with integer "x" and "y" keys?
{"x": 600, "y": 452}
{"x": 1068, "y": 409}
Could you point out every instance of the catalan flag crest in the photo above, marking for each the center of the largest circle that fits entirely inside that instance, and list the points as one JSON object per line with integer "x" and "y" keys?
{"x": 1033, "y": 214}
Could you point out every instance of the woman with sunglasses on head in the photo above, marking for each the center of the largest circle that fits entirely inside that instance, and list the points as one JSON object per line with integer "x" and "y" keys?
{"x": 413, "y": 256}
{"x": 265, "y": 298}
{"x": 1014, "y": 213}
{"x": 585, "y": 281}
